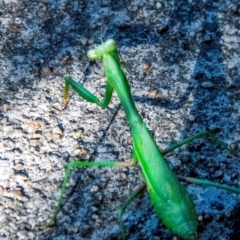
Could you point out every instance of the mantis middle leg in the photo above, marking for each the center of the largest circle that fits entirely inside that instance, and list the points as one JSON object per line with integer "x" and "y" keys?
{"x": 78, "y": 164}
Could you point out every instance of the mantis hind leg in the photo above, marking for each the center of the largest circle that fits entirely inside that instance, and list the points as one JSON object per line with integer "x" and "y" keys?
{"x": 129, "y": 200}
{"x": 122, "y": 209}
{"x": 210, "y": 183}
{"x": 202, "y": 181}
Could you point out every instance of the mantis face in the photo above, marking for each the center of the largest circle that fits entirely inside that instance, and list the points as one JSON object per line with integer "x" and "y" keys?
{"x": 104, "y": 48}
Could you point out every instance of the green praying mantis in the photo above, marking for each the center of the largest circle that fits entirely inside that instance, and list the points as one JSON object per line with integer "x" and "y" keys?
{"x": 170, "y": 199}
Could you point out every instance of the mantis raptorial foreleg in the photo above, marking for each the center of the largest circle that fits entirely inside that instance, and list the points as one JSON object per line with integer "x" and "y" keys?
{"x": 86, "y": 94}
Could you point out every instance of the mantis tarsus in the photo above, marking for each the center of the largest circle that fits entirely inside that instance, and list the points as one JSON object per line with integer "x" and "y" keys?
{"x": 170, "y": 199}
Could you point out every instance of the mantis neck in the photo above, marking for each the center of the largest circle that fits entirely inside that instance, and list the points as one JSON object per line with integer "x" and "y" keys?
{"x": 117, "y": 79}
{"x": 130, "y": 110}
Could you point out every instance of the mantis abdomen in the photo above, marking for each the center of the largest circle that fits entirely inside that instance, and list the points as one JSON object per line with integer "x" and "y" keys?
{"x": 169, "y": 198}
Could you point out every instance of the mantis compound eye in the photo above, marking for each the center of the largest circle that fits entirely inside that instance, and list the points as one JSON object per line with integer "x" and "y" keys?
{"x": 92, "y": 54}
{"x": 110, "y": 45}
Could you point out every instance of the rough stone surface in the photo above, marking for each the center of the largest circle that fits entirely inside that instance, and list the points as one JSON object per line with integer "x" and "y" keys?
{"x": 186, "y": 44}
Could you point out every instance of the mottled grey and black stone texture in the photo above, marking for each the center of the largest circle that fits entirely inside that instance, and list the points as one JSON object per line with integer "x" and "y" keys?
{"x": 182, "y": 60}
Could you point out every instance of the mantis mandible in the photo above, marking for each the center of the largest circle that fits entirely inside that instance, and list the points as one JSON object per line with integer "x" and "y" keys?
{"x": 170, "y": 199}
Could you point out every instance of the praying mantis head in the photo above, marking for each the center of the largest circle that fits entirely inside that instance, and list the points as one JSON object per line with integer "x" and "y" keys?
{"x": 104, "y": 48}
